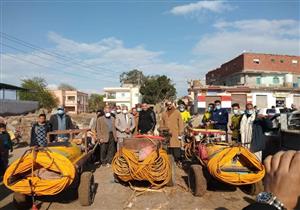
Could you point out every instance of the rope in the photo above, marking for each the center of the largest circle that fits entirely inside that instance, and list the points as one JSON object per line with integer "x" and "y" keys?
{"x": 156, "y": 168}
{"x": 217, "y": 165}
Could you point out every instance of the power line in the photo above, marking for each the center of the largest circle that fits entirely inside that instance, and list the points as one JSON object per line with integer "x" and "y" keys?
{"x": 36, "y": 64}
{"x": 54, "y": 54}
{"x": 23, "y": 51}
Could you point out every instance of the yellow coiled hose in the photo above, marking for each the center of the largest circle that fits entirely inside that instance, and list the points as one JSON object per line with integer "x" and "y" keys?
{"x": 224, "y": 158}
{"x": 156, "y": 168}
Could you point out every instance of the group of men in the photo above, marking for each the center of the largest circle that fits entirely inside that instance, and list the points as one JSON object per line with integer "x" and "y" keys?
{"x": 115, "y": 124}
{"x": 247, "y": 127}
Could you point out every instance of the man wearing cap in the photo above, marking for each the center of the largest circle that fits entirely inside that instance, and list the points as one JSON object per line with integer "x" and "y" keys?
{"x": 61, "y": 121}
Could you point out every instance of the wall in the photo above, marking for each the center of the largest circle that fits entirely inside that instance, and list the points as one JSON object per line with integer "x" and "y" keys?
{"x": 13, "y": 107}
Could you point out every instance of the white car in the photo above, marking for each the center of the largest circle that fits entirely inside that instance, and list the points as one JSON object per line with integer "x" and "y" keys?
{"x": 294, "y": 120}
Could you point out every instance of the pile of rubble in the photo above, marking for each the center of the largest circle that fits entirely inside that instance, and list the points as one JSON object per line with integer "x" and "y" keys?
{"x": 22, "y": 124}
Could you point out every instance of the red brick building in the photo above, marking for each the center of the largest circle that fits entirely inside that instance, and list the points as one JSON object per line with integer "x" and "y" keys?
{"x": 264, "y": 79}
{"x": 258, "y": 70}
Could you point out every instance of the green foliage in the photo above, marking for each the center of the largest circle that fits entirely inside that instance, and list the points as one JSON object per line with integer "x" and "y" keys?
{"x": 38, "y": 92}
{"x": 135, "y": 77}
{"x": 65, "y": 86}
{"x": 95, "y": 102}
{"x": 157, "y": 88}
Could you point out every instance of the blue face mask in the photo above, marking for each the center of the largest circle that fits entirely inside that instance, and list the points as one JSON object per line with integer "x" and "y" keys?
{"x": 60, "y": 112}
{"x": 218, "y": 107}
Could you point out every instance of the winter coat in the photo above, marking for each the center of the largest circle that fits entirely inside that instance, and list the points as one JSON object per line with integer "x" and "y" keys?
{"x": 172, "y": 120}
{"x": 102, "y": 131}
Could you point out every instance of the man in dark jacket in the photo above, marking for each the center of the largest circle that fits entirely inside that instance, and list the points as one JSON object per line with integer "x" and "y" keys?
{"x": 147, "y": 120}
{"x": 219, "y": 117}
{"x": 39, "y": 132}
{"x": 5, "y": 146}
{"x": 61, "y": 121}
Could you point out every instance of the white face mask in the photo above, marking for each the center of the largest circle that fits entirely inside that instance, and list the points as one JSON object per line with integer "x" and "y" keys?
{"x": 113, "y": 111}
{"x": 60, "y": 112}
{"x": 139, "y": 109}
{"x": 118, "y": 111}
{"x": 236, "y": 112}
{"x": 107, "y": 114}
{"x": 124, "y": 111}
{"x": 181, "y": 109}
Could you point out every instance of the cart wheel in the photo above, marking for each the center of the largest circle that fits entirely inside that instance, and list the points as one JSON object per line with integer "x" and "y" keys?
{"x": 197, "y": 180}
{"x": 172, "y": 181}
{"x": 21, "y": 201}
{"x": 253, "y": 189}
{"x": 86, "y": 189}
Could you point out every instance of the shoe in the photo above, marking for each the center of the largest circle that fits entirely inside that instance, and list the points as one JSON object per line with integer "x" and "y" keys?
{"x": 107, "y": 165}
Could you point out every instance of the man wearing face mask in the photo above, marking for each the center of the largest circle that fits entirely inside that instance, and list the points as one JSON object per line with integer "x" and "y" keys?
{"x": 125, "y": 125}
{"x": 61, "y": 121}
{"x": 106, "y": 136}
{"x": 253, "y": 127}
{"x": 186, "y": 116}
{"x": 118, "y": 110}
{"x": 219, "y": 117}
{"x": 172, "y": 120}
{"x": 235, "y": 123}
{"x": 206, "y": 120}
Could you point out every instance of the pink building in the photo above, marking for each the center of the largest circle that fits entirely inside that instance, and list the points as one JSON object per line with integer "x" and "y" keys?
{"x": 74, "y": 101}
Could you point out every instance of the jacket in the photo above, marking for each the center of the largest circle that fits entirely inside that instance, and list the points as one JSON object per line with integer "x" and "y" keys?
{"x": 220, "y": 117}
{"x": 172, "y": 120}
{"x": 121, "y": 124}
{"x": 235, "y": 127}
{"x": 147, "y": 121}
{"x": 54, "y": 122}
{"x": 206, "y": 118}
{"x": 102, "y": 131}
{"x": 33, "y": 140}
{"x": 185, "y": 116}
{"x": 5, "y": 142}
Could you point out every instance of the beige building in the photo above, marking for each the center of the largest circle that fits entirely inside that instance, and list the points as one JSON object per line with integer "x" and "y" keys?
{"x": 128, "y": 95}
{"x": 74, "y": 101}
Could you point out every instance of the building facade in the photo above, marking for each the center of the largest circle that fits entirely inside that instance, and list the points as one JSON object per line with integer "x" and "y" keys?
{"x": 128, "y": 95}
{"x": 74, "y": 101}
{"x": 263, "y": 79}
{"x": 258, "y": 70}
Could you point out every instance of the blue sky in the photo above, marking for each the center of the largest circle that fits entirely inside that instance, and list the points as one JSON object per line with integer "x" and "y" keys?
{"x": 101, "y": 39}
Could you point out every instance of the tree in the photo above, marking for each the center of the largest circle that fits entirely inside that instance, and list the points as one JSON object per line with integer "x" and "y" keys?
{"x": 134, "y": 76}
{"x": 65, "y": 86}
{"x": 95, "y": 102}
{"x": 157, "y": 88}
{"x": 38, "y": 92}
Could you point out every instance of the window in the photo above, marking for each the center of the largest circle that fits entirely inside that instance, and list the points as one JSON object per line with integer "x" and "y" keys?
{"x": 294, "y": 61}
{"x": 123, "y": 94}
{"x": 71, "y": 98}
{"x": 275, "y": 80}
{"x": 256, "y": 61}
{"x": 281, "y": 61}
{"x": 273, "y": 60}
{"x": 258, "y": 80}
{"x": 298, "y": 81}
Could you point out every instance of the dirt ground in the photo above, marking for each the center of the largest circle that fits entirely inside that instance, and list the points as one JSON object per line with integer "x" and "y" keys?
{"x": 111, "y": 195}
